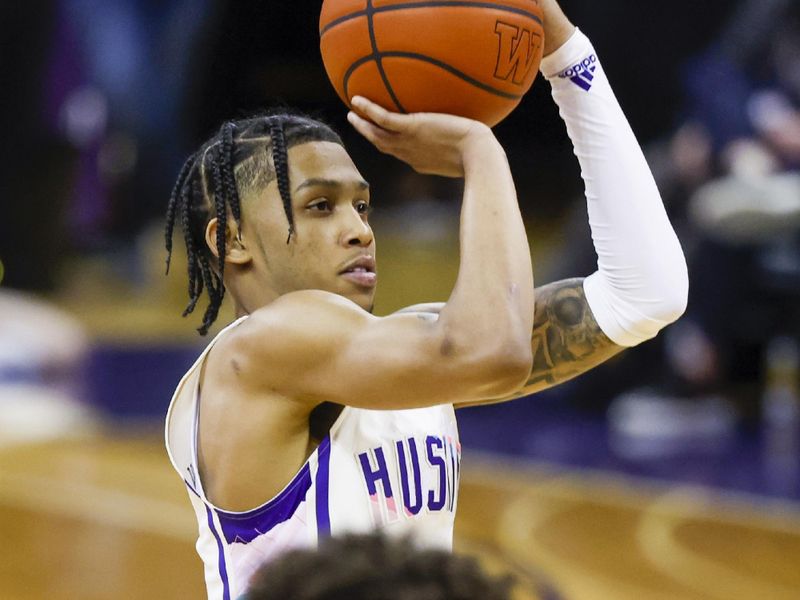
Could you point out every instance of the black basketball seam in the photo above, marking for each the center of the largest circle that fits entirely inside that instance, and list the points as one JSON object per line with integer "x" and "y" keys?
{"x": 431, "y": 4}
{"x": 351, "y": 70}
{"x": 340, "y": 20}
{"x": 377, "y": 56}
{"x": 453, "y": 71}
{"x": 421, "y": 57}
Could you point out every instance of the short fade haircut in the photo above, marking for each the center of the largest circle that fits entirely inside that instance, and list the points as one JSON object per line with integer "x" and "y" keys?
{"x": 242, "y": 157}
{"x": 373, "y": 567}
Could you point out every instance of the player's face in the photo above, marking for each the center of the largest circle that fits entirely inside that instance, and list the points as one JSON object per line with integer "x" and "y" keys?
{"x": 332, "y": 248}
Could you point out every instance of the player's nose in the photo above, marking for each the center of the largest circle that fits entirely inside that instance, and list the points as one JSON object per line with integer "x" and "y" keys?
{"x": 356, "y": 231}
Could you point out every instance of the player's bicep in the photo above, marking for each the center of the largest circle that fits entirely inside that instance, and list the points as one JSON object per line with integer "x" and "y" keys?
{"x": 399, "y": 361}
{"x": 566, "y": 339}
{"x": 318, "y": 347}
{"x": 414, "y": 360}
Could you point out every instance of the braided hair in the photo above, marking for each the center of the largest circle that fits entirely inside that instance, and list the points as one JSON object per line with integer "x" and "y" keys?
{"x": 243, "y": 156}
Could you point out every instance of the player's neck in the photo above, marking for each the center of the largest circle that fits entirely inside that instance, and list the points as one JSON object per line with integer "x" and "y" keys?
{"x": 249, "y": 294}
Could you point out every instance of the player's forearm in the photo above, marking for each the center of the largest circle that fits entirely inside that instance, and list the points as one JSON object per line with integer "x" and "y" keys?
{"x": 493, "y": 297}
{"x": 641, "y": 284}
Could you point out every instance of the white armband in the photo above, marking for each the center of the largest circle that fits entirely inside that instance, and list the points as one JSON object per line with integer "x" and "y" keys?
{"x": 641, "y": 284}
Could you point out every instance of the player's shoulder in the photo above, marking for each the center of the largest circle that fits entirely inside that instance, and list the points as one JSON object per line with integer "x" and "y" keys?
{"x": 306, "y": 300}
{"x": 294, "y": 323}
{"x": 291, "y": 310}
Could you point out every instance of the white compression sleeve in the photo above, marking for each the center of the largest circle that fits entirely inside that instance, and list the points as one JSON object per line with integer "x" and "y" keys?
{"x": 641, "y": 283}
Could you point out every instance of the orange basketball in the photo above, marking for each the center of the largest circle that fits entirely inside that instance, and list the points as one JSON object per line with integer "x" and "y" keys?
{"x": 474, "y": 59}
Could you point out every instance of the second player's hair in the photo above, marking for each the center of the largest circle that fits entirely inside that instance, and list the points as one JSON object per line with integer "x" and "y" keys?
{"x": 242, "y": 157}
{"x": 369, "y": 567}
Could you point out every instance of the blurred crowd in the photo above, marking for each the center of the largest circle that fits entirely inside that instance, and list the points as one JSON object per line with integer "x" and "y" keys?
{"x": 732, "y": 173}
{"x": 729, "y": 173}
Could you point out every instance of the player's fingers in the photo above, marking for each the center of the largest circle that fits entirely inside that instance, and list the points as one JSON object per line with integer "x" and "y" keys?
{"x": 380, "y": 138}
{"x": 379, "y": 115}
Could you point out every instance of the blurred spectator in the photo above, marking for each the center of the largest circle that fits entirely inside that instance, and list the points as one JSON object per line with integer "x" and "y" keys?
{"x": 43, "y": 352}
{"x": 94, "y": 120}
{"x": 729, "y": 177}
{"x": 126, "y": 116}
{"x": 372, "y": 567}
{"x": 743, "y": 199}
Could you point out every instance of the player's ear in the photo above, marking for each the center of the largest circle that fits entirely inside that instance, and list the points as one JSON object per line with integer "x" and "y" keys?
{"x": 236, "y": 251}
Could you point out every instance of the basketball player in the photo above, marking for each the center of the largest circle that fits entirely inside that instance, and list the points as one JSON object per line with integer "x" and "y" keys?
{"x": 366, "y": 567}
{"x": 308, "y": 416}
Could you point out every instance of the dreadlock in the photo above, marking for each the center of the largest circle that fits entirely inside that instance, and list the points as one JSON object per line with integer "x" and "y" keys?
{"x": 280, "y": 159}
{"x": 212, "y": 181}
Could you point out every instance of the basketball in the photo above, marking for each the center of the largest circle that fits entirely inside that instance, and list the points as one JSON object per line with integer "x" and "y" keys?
{"x": 473, "y": 59}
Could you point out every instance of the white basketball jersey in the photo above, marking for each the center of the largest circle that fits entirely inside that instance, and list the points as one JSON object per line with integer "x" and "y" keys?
{"x": 397, "y": 471}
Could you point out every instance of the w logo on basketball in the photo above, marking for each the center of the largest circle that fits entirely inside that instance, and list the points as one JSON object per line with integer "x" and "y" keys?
{"x": 582, "y": 74}
{"x": 516, "y": 53}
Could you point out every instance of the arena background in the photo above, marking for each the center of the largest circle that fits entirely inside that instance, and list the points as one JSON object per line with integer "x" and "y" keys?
{"x": 673, "y": 472}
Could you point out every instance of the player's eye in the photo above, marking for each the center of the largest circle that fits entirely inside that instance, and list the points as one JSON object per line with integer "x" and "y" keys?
{"x": 321, "y": 205}
{"x": 363, "y": 208}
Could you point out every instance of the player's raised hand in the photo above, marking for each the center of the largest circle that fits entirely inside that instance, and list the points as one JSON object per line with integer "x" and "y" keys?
{"x": 430, "y": 143}
{"x": 557, "y": 27}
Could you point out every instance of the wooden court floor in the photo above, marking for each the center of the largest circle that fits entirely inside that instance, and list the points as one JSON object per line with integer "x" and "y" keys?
{"x": 105, "y": 517}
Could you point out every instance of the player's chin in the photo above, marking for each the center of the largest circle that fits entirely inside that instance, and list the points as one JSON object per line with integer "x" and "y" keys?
{"x": 365, "y": 299}
{"x": 364, "y": 296}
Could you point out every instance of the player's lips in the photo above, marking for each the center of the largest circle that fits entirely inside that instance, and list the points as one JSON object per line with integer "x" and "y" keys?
{"x": 361, "y": 271}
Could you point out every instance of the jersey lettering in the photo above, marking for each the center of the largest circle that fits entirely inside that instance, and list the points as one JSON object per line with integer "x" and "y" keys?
{"x": 383, "y": 505}
{"x": 441, "y": 472}
{"x": 412, "y": 508}
{"x": 435, "y": 459}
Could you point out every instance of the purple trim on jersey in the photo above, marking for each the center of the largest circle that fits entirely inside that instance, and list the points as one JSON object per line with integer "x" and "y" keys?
{"x": 223, "y": 571}
{"x": 323, "y": 485}
{"x": 244, "y": 527}
{"x": 191, "y": 489}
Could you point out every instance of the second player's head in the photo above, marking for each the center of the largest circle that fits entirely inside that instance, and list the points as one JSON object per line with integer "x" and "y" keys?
{"x": 271, "y": 205}
{"x": 368, "y": 567}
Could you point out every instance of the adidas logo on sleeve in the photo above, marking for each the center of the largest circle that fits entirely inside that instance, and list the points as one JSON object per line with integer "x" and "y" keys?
{"x": 582, "y": 74}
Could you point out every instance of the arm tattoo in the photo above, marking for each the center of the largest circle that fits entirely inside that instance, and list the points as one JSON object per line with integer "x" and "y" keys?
{"x": 566, "y": 340}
